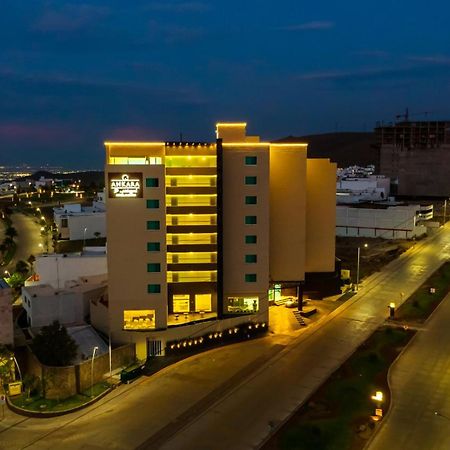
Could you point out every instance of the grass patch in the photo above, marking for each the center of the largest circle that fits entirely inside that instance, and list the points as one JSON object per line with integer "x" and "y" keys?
{"x": 9, "y": 254}
{"x": 37, "y": 403}
{"x": 337, "y": 416}
{"x": 422, "y": 303}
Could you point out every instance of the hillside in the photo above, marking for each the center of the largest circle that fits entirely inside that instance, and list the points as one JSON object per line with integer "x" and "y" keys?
{"x": 346, "y": 148}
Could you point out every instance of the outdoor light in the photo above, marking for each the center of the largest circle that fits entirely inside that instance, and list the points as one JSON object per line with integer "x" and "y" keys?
{"x": 42, "y": 218}
{"x": 42, "y": 228}
{"x": 357, "y": 266}
{"x": 391, "y": 305}
{"x": 378, "y": 396}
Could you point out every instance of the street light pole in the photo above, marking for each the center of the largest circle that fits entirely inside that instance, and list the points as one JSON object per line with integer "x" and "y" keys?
{"x": 445, "y": 210}
{"x": 92, "y": 371}
{"x": 357, "y": 266}
{"x": 13, "y": 358}
{"x": 84, "y": 237}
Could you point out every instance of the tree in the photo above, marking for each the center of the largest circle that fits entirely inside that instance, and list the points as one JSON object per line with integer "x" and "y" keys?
{"x": 22, "y": 267}
{"x": 53, "y": 346}
{"x": 31, "y": 260}
{"x": 97, "y": 234}
{"x": 11, "y": 232}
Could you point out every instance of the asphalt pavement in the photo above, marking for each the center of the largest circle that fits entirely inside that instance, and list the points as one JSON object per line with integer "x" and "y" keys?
{"x": 419, "y": 417}
{"x": 193, "y": 404}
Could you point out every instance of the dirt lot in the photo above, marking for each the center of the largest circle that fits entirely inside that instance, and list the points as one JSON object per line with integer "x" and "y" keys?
{"x": 377, "y": 254}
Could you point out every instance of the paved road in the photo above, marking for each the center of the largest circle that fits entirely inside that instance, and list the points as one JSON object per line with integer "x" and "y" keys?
{"x": 420, "y": 383}
{"x": 235, "y": 396}
{"x": 28, "y": 238}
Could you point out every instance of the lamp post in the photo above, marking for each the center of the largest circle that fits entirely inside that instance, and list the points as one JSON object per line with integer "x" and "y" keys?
{"x": 445, "y": 210}
{"x": 13, "y": 358}
{"x": 7, "y": 273}
{"x": 357, "y": 266}
{"x": 84, "y": 237}
{"x": 92, "y": 370}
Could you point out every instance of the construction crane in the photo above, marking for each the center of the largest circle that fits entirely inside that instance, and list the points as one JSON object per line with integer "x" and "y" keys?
{"x": 406, "y": 115}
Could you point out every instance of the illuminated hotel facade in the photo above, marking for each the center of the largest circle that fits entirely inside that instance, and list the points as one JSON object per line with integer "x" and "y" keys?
{"x": 198, "y": 232}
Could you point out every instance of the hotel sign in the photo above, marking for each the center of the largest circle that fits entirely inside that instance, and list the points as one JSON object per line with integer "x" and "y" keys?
{"x": 125, "y": 185}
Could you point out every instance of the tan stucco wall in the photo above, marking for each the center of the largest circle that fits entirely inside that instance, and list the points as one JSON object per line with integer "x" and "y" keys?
{"x": 128, "y": 236}
{"x": 234, "y": 227}
{"x": 321, "y": 215}
{"x": 287, "y": 212}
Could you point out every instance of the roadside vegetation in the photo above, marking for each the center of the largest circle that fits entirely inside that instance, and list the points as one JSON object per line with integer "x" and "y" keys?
{"x": 338, "y": 414}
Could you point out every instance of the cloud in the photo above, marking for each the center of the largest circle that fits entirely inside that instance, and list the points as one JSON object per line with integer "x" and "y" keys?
{"x": 69, "y": 17}
{"x": 314, "y": 25}
{"x": 431, "y": 59}
{"x": 179, "y": 7}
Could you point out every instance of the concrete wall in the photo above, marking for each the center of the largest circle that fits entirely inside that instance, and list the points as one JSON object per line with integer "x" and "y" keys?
{"x": 128, "y": 237}
{"x": 396, "y": 222}
{"x": 287, "y": 212}
{"x": 320, "y": 215}
{"x": 234, "y": 227}
{"x": 63, "y": 382}
{"x": 420, "y": 172}
{"x": 56, "y": 270}
{"x": 95, "y": 222}
{"x": 6, "y": 316}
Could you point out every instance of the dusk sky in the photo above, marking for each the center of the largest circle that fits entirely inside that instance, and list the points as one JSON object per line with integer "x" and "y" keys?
{"x": 74, "y": 74}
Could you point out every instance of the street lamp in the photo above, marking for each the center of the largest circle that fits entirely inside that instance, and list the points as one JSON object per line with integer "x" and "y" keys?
{"x": 92, "y": 370}
{"x": 13, "y": 358}
{"x": 84, "y": 237}
{"x": 7, "y": 273}
{"x": 357, "y": 266}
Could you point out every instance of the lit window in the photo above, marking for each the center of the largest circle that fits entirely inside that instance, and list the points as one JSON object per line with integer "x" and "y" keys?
{"x": 139, "y": 319}
{"x": 153, "y": 267}
{"x": 250, "y": 180}
{"x": 242, "y": 305}
{"x": 153, "y": 225}
{"x": 203, "y": 302}
{"x": 250, "y": 160}
{"x": 250, "y": 239}
{"x": 250, "y": 199}
{"x": 250, "y": 220}
{"x": 250, "y": 277}
{"x": 153, "y": 246}
{"x": 151, "y": 182}
{"x": 250, "y": 259}
{"x": 181, "y": 303}
{"x": 154, "y": 288}
{"x": 152, "y": 204}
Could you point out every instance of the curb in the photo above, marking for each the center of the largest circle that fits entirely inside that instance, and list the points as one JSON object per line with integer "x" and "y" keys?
{"x": 50, "y": 414}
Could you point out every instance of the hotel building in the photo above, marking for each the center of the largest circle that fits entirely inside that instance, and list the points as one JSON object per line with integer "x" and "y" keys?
{"x": 198, "y": 232}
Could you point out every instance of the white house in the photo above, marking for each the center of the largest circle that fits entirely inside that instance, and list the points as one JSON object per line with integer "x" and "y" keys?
{"x": 43, "y": 303}
{"x": 57, "y": 269}
{"x": 362, "y": 189}
{"x": 76, "y": 222}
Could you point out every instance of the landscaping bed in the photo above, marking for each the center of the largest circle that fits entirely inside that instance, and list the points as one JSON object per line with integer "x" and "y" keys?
{"x": 39, "y": 404}
{"x": 338, "y": 415}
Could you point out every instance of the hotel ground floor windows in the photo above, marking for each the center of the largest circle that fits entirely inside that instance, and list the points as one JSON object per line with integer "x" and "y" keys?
{"x": 192, "y": 303}
{"x": 139, "y": 319}
{"x": 241, "y": 305}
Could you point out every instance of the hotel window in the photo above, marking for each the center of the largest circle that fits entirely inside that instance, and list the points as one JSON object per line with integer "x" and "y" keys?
{"x": 151, "y": 182}
{"x": 141, "y": 319}
{"x": 250, "y": 180}
{"x": 153, "y": 225}
{"x": 153, "y": 267}
{"x": 250, "y": 239}
{"x": 250, "y": 199}
{"x": 152, "y": 204}
{"x": 251, "y": 160}
{"x": 250, "y": 259}
{"x": 250, "y": 220}
{"x": 250, "y": 277}
{"x": 154, "y": 288}
{"x": 153, "y": 246}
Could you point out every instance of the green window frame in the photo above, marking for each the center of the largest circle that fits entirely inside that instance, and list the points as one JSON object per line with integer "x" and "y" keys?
{"x": 153, "y": 267}
{"x": 250, "y": 239}
{"x": 153, "y": 225}
{"x": 154, "y": 288}
{"x": 251, "y": 199}
{"x": 152, "y": 182}
{"x": 250, "y": 259}
{"x": 250, "y": 277}
{"x": 250, "y": 220}
{"x": 153, "y": 246}
{"x": 250, "y": 179}
{"x": 153, "y": 204}
{"x": 251, "y": 160}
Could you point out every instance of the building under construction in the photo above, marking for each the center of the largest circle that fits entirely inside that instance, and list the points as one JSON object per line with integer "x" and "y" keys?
{"x": 416, "y": 156}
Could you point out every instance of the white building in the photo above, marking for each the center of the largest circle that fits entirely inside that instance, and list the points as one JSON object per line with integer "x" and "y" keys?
{"x": 76, "y": 222}
{"x": 57, "y": 269}
{"x": 44, "y": 304}
{"x": 361, "y": 189}
{"x": 6, "y": 315}
{"x": 387, "y": 220}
